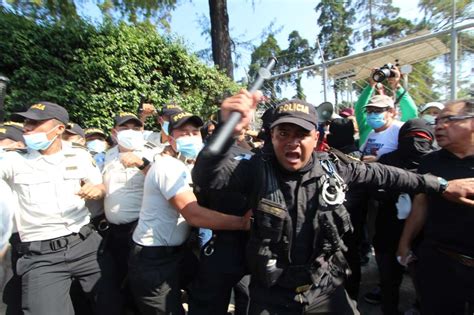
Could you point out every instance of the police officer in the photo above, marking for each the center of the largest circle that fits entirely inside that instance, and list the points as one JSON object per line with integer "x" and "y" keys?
{"x": 169, "y": 208}
{"x": 125, "y": 167}
{"x": 11, "y": 136}
{"x": 74, "y": 134}
{"x": 160, "y": 138}
{"x": 11, "y": 139}
{"x": 222, "y": 264}
{"x": 96, "y": 143}
{"x": 52, "y": 181}
{"x": 294, "y": 251}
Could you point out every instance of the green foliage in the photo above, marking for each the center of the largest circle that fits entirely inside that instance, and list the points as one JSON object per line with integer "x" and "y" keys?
{"x": 260, "y": 57}
{"x": 157, "y": 12}
{"x": 374, "y": 16}
{"x": 438, "y": 13}
{"x": 95, "y": 72}
{"x": 334, "y": 20}
{"x": 298, "y": 54}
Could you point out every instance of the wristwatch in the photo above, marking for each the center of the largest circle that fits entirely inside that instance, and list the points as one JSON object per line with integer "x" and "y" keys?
{"x": 145, "y": 164}
{"x": 443, "y": 184}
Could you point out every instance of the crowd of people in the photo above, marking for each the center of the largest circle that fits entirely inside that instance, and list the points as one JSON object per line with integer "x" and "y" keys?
{"x": 135, "y": 221}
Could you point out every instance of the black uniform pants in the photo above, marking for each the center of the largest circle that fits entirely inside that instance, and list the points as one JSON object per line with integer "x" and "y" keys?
{"x": 446, "y": 286}
{"x": 218, "y": 274}
{"x": 391, "y": 276}
{"x": 154, "y": 277}
{"x": 12, "y": 289}
{"x": 47, "y": 271}
{"x": 210, "y": 293}
{"x": 277, "y": 300}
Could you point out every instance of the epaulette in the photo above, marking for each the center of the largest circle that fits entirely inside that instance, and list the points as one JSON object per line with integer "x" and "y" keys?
{"x": 20, "y": 151}
{"x": 79, "y": 146}
{"x": 345, "y": 158}
{"x": 150, "y": 145}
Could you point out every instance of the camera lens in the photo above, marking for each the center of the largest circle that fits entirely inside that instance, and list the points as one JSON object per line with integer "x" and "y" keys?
{"x": 381, "y": 74}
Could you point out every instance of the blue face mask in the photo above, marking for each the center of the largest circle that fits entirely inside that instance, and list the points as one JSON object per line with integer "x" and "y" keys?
{"x": 189, "y": 147}
{"x": 97, "y": 146}
{"x": 39, "y": 141}
{"x": 376, "y": 120}
{"x": 165, "y": 127}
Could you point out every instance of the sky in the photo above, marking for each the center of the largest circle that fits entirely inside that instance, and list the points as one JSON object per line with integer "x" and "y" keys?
{"x": 249, "y": 18}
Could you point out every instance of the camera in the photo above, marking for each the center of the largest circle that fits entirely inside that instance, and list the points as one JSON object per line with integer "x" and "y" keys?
{"x": 383, "y": 72}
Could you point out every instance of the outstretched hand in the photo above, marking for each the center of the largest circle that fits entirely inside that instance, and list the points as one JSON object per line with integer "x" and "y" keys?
{"x": 460, "y": 191}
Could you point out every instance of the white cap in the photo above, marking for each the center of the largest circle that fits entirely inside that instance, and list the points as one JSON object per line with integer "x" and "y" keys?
{"x": 438, "y": 105}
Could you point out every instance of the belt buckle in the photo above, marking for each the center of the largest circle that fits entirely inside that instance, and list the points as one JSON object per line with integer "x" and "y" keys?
{"x": 58, "y": 243}
{"x": 303, "y": 288}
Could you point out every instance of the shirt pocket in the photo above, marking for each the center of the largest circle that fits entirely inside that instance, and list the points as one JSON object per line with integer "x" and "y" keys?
{"x": 72, "y": 181}
{"x": 34, "y": 187}
{"x": 135, "y": 179}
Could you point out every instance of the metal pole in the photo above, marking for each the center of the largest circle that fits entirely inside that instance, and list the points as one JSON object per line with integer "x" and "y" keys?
{"x": 378, "y": 49}
{"x": 454, "y": 55}
{"x": 325, "y": 69}
{"x": 325, "y": 87}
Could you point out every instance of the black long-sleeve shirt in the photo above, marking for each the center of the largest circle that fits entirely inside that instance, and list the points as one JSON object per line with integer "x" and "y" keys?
{"x": 300, "y": 188}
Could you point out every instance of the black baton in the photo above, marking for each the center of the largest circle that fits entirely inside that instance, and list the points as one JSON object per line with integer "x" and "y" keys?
{"x": 225, "y": 132}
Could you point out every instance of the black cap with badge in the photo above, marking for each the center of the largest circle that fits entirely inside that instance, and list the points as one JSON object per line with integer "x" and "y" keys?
{"x": 12, "y": 130}
{"x": 179, "y": 119}
{"x": 89, "y": 132}
{"x": 170, "y": 109}
{"x": 75, "y": 129}
{"x": 296, "y": 112}
{"x": 45, "y": 111}
{"x": 124, "y": 117}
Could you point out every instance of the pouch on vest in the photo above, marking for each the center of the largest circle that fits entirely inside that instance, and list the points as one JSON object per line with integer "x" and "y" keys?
{"x": 270, "y": 218}
{"x": 267, "y": 269}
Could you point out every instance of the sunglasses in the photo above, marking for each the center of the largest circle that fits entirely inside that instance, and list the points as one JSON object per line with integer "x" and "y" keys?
{"x": 448, "y": 119}
{"x": 376, "y": 110}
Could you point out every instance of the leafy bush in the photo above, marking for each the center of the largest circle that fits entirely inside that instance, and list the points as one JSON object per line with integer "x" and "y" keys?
{"x": 97, "y": 71}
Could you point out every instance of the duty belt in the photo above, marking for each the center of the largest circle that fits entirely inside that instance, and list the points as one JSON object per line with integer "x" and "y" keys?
{"x": 460, "y": 258}
{"x": 55, "y": 244}
{"x": 154, "y": 252}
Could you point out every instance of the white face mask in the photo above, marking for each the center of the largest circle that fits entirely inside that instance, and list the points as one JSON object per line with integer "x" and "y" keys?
{"x": 96, "y": 146}
{"x": 429, "y": 118}
{"x": 130, "y": 139}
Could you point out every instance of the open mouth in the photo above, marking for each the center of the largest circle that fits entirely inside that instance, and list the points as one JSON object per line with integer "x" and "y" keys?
{"x": 293, "y": 157}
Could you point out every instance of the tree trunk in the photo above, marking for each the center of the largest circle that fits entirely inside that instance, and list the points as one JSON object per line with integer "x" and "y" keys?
{"x": 221, "y": 52}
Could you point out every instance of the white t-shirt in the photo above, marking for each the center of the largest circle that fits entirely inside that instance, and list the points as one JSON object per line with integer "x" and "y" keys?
{"x": 123, "y": 186}
{"x": 47, "y": 186}
{"x": 379, "y": 143}
{"x": 160, "y": 224}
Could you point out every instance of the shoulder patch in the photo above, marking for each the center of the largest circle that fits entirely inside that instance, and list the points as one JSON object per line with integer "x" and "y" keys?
{"x": 242, "y": 156}
{"x": 150, "y": 145}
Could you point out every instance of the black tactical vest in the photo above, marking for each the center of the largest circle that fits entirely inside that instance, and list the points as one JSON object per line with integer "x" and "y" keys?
{"x": 268, "y": 250}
